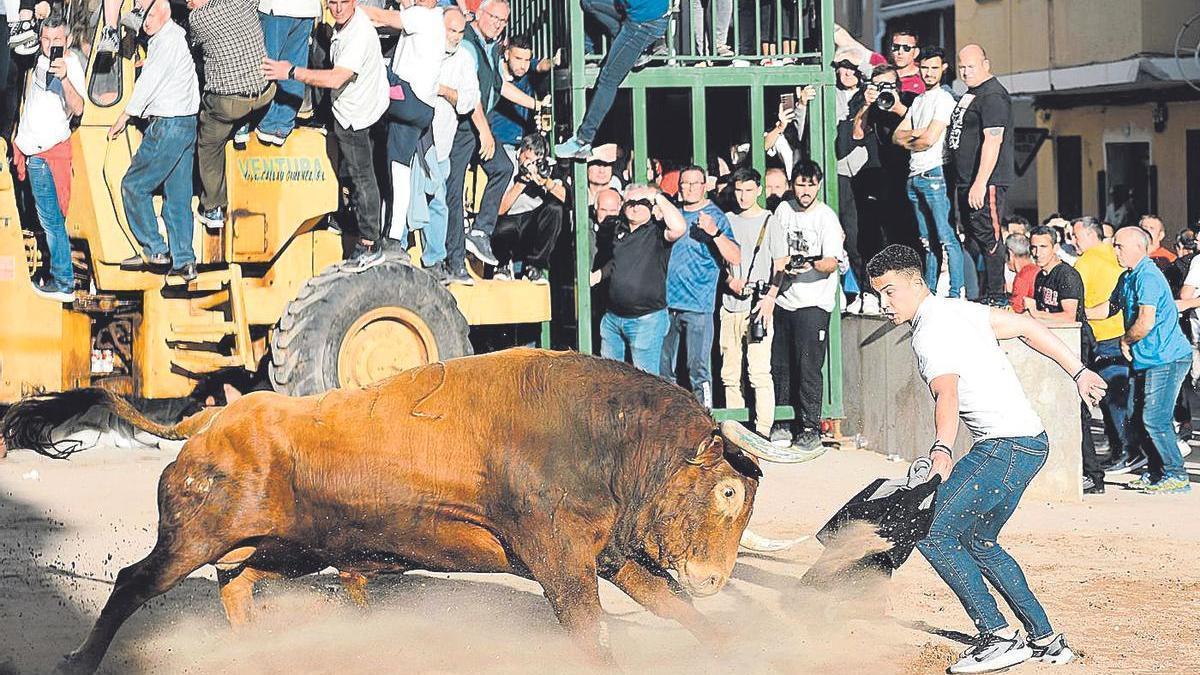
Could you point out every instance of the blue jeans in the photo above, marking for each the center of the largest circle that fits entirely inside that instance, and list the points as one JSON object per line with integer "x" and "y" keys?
{"x": 697, "y": 329}
{"x": 1110, "y": 364}
{"x": 1155, "y": 390}
{"x": 972, "y": 505}
{"x": 645, "y": 336}
{"x": 286, "y": 39}
{"x": 927, "y": 192}
{"x": 439, "y": 215}
{"x": 54, "y": 224}
{"x": 164, "y": 159}
{"x": 631, "y": 39}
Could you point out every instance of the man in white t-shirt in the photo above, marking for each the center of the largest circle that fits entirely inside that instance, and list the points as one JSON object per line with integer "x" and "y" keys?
{"x": 42, "y": 148}
{"x": 802, "y": 295}
{"x": 960, "y": 358}
{"x": 416, "y": 66}
{"x": 360, "y": 97}
{"x": 923, "y": 131}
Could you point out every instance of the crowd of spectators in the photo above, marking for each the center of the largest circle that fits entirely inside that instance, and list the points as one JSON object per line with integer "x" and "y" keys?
{"x": 688, "y": 258}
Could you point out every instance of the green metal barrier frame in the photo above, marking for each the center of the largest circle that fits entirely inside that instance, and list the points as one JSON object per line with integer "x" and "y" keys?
{"x": 698, "y": 81}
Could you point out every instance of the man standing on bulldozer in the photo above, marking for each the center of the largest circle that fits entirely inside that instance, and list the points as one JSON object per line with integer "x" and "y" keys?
{"x": 167, "y": 96}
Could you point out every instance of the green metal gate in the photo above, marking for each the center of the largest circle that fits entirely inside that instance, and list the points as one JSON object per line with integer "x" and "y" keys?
{"x": 775, "y": 61}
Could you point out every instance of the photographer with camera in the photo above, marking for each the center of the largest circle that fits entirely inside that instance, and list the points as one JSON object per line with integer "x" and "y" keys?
{"x": 531, "y": 213}
{"x": 746, "y": 335}
{"x": 885, "y": 215}
{"x": 805, "y": 290}
{"x": 42, "y": 148}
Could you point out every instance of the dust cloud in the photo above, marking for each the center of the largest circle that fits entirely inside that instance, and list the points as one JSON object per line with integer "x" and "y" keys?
{"x": 425, "y": 623}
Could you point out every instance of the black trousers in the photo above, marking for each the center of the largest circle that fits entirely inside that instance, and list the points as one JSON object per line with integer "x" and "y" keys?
{"x": 529, "y": 237}
{"x": 6, "y": 92}
{"x": 498, "y": 169}
{"x": 982, "y": 229}
{"x": 848, "y": 214}
{"x": 797, "y": 354}
{"x": 356, "y": 167}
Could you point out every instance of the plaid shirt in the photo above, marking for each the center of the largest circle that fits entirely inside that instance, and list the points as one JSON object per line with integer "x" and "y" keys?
{"x": 230, "y": 39}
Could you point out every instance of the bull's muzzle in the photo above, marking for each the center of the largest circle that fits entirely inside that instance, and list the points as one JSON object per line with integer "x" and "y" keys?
{"x": 701, "y": 580}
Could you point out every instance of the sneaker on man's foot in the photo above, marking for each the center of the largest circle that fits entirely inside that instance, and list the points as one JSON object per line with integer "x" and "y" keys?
{"x": 1140, "y": 482}
{"x": 462, "y": 276}
{"x": 1091, "y": 487}
{"x": 1168, "y": 486}
{"x": 241, "y": 137}
{"x": 480, "y": 246}
{"x": 536, "y": 276}
{"x": 187, "y": 272}
{"x": 366, "y": 256}
{"x": 658, "y": 48}
{"x": 269, "y": 139}
{"x": 158, "y": 262}
{"x": 1126, "y": 465}
{"x": 503, "y": 273}
{"x": 56, "y": 292}
{"x": 781, "y": 435}
{"x": 573, "y": 148}
{"x": 993, "y": 652}
{"x": 1185, "y": 448}
{"x": 1056, "y": 651}
{"x": 807, "y": 441}
{"x": 110, "y": 40}
{"x": 438, "y": 271}
{"x": 213, "y": 219}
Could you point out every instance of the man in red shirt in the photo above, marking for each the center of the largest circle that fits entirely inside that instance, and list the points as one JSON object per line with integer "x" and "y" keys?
{"x": 904, "y": 49}
{"x": 1020, "y": 262}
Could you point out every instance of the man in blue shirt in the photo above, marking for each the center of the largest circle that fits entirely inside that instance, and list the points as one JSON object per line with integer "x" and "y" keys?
{"x": 634, "y": 26}
{"x": 1161, "y": 358}
{"x": 511, "y": 122}
{"x": 692, "y": 278}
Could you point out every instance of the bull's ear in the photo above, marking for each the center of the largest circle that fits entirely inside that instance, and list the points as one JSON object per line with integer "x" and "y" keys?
{"x": 709, "y": 452}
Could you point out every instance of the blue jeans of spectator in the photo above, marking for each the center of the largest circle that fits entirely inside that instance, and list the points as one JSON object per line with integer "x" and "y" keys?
{"x": 972, "y": 505}
{"x": 630, "y": 40}
{"x": 927, "y": 192}
{"x": 164, "y": 159}
{"x": 696, "y": 328}
{"x": 1110, "y": 364}
{"x": 643, "y": 333}
{"x": 286, "y": 39}
{"x": 1154, "y": 393}
{"x": 54, "y": 224}
{"x": 435, "y": 230}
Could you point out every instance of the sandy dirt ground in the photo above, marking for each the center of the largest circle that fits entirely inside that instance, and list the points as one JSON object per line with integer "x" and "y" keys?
{"x": 1120, "y": 574}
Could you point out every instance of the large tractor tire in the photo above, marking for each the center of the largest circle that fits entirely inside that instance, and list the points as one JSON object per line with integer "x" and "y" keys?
{"x": 350, "y": 328}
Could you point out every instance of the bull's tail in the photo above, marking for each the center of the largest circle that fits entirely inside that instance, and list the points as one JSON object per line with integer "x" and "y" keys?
{"x": 31, "y": 422}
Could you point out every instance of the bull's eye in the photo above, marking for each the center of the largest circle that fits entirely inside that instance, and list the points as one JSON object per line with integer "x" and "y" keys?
{"x": 729, "y": 493}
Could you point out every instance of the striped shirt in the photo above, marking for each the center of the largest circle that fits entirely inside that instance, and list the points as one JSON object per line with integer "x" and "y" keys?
{"x": 230, "y": 39}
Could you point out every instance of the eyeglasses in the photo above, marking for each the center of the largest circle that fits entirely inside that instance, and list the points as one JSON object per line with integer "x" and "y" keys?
{"x": 496, "y": 17}
{"x": 904, "y": 48}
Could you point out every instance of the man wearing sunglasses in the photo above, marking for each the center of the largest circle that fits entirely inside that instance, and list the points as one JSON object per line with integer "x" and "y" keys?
{"x": 904, "y": 52}
{"x": 636, "y": 318}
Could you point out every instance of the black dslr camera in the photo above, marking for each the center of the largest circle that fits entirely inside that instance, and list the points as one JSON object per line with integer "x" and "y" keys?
{"x": 888, "y": 91}
{"x": 799, "y": 252}
{"x": 757, "y": 332}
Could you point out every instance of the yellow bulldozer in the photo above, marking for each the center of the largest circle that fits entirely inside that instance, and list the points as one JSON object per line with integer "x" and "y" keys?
{"x": 272, "y": 297}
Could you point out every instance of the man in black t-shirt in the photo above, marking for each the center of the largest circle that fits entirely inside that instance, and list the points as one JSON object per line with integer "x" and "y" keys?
{"x": 980, "y": 140}
{"x": 637, "y": 278}
{"x": 1058, "y": 294}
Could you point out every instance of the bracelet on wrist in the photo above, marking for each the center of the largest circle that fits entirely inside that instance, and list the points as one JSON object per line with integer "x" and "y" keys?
{"x": 941, "y": 447}
{"x": 1075, "y": 377}
{"x": 292, "y": 73}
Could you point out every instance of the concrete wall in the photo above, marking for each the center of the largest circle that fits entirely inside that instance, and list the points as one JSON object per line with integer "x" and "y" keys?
{"x": 889, "y": 405}
{"x": 1098, "y": 124}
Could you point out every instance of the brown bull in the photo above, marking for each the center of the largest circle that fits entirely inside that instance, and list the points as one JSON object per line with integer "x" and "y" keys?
{"x": 559, "y": 467}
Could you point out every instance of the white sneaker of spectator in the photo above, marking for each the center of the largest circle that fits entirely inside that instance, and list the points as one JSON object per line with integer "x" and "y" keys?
{"x": 870, "y": 304}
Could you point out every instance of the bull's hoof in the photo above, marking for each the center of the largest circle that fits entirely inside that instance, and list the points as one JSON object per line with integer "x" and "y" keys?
{"x": 75, "y": 663}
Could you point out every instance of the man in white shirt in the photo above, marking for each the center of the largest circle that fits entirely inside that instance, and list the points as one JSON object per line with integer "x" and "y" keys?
{"x": 416, "y": 65}
{"x": 360, "y": 97}
{"x": 923, "y": 131}
{"x": 167, "y": 96}
{"x": 42, "y": 147}
{"x": 971, "y": 379}
{"x": 286, "y": 27}
{"x": 458, "y": 94}
{"x": 805, "y": 288}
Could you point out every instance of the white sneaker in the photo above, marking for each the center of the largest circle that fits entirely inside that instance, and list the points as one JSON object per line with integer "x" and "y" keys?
{"x": 993, "y": 652}
{"x": 269, "y": 139}
{"x": 856, "y": 306}
{"x": 1057, "y": 652}
{"x": 870, "y": 304}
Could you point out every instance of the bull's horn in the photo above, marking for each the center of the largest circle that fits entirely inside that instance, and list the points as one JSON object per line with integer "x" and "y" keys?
{"x": 752, "y": 443}
{"x": 759, "y": 544}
